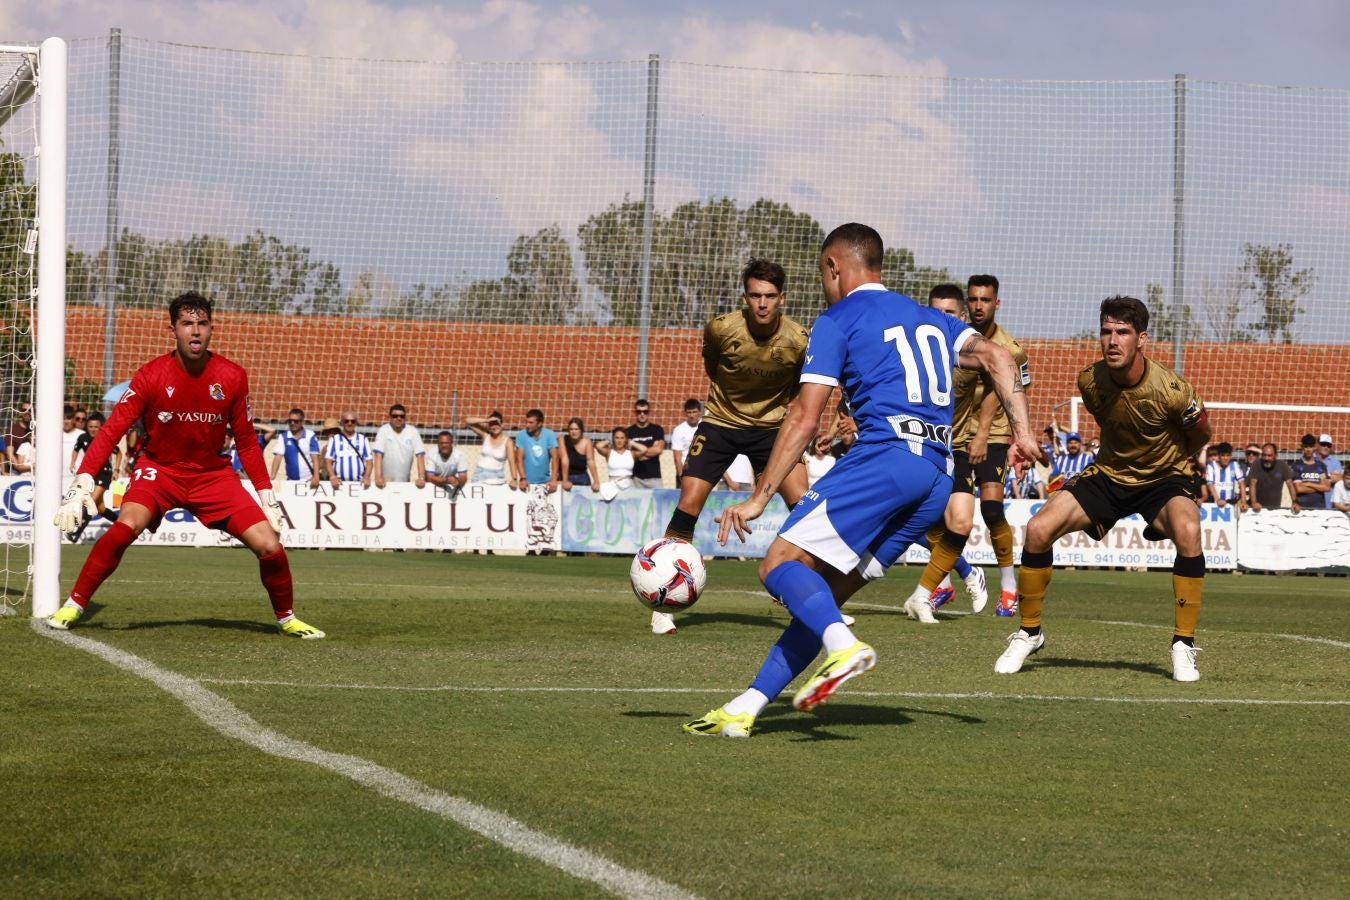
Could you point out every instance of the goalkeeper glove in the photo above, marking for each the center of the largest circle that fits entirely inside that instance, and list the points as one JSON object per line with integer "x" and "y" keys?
{"x": 76, "y": 504}
{"x": 272, "y": 509}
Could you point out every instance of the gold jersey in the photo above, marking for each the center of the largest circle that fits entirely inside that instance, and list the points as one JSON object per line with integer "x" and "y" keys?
{"x": 1143, "y": 427}
{"x": 971, "y": 389}
{"x": 752, "y": 379}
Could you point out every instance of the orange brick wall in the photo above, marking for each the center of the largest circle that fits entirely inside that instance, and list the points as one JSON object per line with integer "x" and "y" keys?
{"x": 326, "y": 365}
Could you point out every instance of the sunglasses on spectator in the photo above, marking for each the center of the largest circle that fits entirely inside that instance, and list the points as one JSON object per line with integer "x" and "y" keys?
{"x": 348, "y": 421}
{"x": 398, "y": 415}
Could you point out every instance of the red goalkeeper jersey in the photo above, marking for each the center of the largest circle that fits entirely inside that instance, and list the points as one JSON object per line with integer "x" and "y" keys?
{"x": 185, "y": 417}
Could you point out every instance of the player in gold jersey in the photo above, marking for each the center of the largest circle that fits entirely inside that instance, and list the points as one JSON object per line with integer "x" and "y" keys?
{"x": 1152, "y": 424}
{"x": 753, "y": 358}
{"x": 980, "y": 438}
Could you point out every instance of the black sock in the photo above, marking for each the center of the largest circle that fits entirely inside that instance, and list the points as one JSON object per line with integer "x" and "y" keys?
{"x": 1032, "y": 630}
{"x": 1188, "y": 641}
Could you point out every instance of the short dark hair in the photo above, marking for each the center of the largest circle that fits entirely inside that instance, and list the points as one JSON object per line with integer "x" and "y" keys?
{"x": 1308, "y": 440}
{"x": 1130, "y": 310}
{"x": 296, "y": 411}
{"x": 1223, "y": 448}
{"x": 947, "y": 291}
{"x": 988, "y": 281}
{"x": 641, "y": 401}
{"x": 443, "y": 433}
{"x": 535, "y": 413}
{"x": 95, "y": 417}
{"x": 187, "y": 302}
{"x": 496, "y": 414}
{"x": 70, "y": 411}
{"x": 862, "y": 240}
{"x": 398, "y": 406}
{"x": 1272, "y": 445}
{"x": 763, "y": 270}
{"x": 693, "y": 403}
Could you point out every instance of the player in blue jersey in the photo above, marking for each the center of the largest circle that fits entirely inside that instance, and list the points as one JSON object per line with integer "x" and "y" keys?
{"x": 893, "y": 361}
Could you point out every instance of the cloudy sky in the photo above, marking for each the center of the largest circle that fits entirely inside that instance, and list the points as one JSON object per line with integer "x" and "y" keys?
{"x": 1295, "y": 42}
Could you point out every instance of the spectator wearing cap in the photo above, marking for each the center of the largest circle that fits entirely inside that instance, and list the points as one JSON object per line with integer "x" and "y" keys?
{"x": 1225, "y": 481}
{"x": 1312, "y": 484}
{"x": 299, "y": 450}
{"x": 1253, "y": 458}
{"x": 1073, "y": 460}
{"x": 1326, "y": 451}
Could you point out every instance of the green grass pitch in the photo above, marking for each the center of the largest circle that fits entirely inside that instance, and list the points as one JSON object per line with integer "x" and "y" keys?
{"x": 533, "y": 687}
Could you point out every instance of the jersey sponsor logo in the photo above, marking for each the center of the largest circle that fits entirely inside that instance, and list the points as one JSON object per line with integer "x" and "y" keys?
{"x": 909, "y": 428}
{"x": 169, "y": 390}
{"x": 127, "y": 395}
{"x": 209, "y": 418}
{"x": 217, "y": 392}
{"x": 166, "y": 417}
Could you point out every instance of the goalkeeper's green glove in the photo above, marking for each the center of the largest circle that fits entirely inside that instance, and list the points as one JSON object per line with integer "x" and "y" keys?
{"x": 76, "y": 504}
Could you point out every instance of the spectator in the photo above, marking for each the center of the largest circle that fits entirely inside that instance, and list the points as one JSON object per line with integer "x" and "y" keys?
{"x": 581, "y": 470}
{"x": 348, "y": 455}
{"x": 1072, "y": 461}
{"x": 1024, "y": 482}
{"x": 647, "y": 440}
{"x": 1340, "y": 492}
{"x": 447, "y": 466}
{"x": 496, "y": 458}
{"x": 537, "y": 456}
{"x": 618, "y": 458}
{"x": 398, "y": 452}
{"x": 682, "y": 438}
{"x": 103, "y": 477}
{"x": 819, "y": 460}
{"x": 1326, "y": 453}
{"x": 1311, "y": 482}
{"x": 72, "y": 426}
{"x": 1224, "y": 480}
{"x": 23, "y": 456}
{"x": 740, "y": 475}
{"x": 1270, "y": 481}
{"x": 299, "y": 450}
{"x": 1252, "y": 457}
{"x": 19, "y": 429}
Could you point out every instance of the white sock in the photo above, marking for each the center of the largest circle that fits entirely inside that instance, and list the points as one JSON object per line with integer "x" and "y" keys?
{"x": 752, "y": 702}
{"x": 1007, "y": 579}
{"x": 71, "y": 602}
{"x": 838, "y": 637}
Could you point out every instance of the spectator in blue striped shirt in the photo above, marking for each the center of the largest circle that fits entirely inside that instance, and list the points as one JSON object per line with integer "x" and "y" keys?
{"x": 1225, "y": 481}
{"x": 1073, "y": 460}
{"x": 348, "y": 454}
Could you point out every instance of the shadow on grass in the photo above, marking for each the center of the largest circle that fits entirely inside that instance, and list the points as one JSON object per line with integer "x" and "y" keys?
{"x": 1145, "y": 668}
{"x": 693, "y": 620}
{"x": 228, "y": 624}
{"x": 782, "y": 718}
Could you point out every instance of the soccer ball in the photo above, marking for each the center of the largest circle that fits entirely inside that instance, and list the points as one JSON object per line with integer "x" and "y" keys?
{"x": 668, "y": 575}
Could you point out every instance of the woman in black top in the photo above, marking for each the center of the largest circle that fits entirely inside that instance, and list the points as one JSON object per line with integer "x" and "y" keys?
{"x": 581, "y": 469}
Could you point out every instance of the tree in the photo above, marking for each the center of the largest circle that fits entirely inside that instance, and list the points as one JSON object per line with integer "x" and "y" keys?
{"x": 540, "y": 287}
{"x": 1272, "y": 278}
{"x": 900, "y": 273}
{"x": 1163, "y": 319}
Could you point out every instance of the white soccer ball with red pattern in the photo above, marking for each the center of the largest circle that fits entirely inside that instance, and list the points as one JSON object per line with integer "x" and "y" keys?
{"x": 668, "y": 575}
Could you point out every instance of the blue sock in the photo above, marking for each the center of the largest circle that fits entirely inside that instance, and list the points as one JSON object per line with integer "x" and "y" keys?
{"x": 805, "y": 594}
{"x": 962, "y": 568}
{"x": 789, "y": 658}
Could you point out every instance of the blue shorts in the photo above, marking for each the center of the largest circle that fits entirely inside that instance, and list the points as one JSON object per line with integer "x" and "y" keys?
{"x": 864, "y": 512}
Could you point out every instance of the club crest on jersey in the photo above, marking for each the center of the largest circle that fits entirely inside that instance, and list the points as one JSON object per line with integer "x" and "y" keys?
{"x": 169, "y": 390}
{"x": 166, "y": 417}
{"x": 217, "y": 392}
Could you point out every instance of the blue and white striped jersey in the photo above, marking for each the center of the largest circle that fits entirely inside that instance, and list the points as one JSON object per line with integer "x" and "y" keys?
{"x": 348, "y": 456}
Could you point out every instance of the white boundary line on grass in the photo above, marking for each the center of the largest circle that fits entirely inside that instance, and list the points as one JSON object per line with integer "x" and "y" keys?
{"x": 918, "y": 695}
{"x": 1345, "y": 645}
{"x": 230, "y": 721}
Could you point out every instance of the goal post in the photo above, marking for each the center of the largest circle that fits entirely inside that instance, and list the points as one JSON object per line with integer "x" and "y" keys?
{"x": 33, "y": 270}
{"x": 50, "y": 327}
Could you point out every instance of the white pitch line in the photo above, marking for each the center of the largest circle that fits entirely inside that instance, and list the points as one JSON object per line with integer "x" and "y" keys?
{"x": 915, "y": 695}
{"x": 1288, "y": 637}
{"x": 230, "y": 721}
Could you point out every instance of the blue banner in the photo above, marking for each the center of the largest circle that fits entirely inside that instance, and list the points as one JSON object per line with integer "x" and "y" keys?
{"x": 636, "y": 517}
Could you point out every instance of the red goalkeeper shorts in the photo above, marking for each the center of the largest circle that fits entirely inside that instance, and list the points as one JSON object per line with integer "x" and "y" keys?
{"x": 215, "y": 497}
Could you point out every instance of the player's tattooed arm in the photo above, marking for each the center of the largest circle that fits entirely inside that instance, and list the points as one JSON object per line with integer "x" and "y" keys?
{"x": 981, "y": 354}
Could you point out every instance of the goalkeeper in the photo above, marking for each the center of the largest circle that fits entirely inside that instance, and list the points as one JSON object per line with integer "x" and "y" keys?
{"x": 186, "y": 397}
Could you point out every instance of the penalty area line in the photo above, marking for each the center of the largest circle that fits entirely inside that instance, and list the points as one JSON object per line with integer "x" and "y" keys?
{"x": 912, "y": 695}
{"x": 230, "y": 721}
